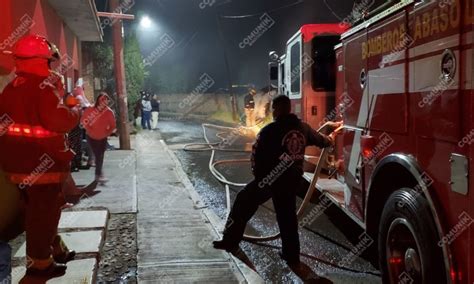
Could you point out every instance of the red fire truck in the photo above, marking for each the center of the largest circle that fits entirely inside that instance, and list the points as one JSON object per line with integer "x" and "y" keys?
{"x": 402, "y": 82}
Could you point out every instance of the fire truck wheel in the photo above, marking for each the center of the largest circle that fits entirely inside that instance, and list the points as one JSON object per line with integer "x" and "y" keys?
{"x": 407, "y": 241}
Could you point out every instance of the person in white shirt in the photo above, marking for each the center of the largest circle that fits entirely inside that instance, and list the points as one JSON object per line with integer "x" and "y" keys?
{"x": 146, "y": 116}
{"x": 155, "y": 111}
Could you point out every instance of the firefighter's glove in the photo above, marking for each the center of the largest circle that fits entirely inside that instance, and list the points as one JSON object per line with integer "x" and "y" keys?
{"x": 332, "y": 126}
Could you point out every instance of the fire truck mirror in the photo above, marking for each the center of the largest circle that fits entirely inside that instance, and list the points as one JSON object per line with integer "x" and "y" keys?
{"x": 448, "y": 65}
{"x": 363, "y": 79}
{"x": 273, "y": 69}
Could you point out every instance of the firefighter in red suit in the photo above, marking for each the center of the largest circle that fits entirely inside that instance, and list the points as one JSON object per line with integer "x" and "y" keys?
{"x": 35, "y": 155}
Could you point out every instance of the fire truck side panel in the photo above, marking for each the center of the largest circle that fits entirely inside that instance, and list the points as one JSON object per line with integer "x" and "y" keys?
{"x": 293, "y": 73}
{"x": 339, "y": 110}
{"x": 468, "y": 103}
{"x": 355, "y": 70}
{"x": 385, "y": 50}
{"x": 435, "y": 31}
{"x": 435, "y": 103}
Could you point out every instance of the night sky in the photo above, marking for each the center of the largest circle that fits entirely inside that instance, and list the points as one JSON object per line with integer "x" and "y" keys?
{"x": 195, "y": 26}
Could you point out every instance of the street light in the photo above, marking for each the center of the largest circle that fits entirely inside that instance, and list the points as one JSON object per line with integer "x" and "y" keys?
{"x": 145, "y": 22}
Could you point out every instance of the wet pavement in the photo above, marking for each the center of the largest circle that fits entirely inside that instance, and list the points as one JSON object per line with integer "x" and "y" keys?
{"x": 330, "y": 245}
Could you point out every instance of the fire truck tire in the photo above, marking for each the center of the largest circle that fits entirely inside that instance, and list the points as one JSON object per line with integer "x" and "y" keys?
{"x": 408, "y": 242}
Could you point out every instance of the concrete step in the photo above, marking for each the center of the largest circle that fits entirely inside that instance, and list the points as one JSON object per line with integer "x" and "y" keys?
{"x": 84, "y": 232}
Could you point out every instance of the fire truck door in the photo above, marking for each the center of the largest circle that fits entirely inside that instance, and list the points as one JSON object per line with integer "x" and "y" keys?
{"x": 355, "y": 106}
{"x": 469, "y": 41}
{"x": 293, "y": 76}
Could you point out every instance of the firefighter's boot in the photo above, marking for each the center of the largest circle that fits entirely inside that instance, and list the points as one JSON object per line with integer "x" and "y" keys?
{"x": 61, "y": 252}
{"x": 45, "y": 268}
{"x": 225, "y": 245}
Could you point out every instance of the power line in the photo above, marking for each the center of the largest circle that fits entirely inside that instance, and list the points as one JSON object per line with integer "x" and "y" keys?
{"x": 259, "y": 14}
{"x": 332, "y": 11}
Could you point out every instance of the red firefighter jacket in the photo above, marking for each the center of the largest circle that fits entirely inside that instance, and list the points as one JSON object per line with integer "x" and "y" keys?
{"x": 33, "y": 126}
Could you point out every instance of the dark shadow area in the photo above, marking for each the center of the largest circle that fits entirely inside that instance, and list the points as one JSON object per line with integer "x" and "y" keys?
{"x": 345, "y": 225}
{"x": 315, "y": 258}
{"x": 36, "y": 279}
{"x": 242, "y": 256}
{"x": 83, "y": 192}
{"x": 307, "y": 275}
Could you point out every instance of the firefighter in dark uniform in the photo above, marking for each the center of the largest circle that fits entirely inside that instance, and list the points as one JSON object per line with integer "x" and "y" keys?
{"x": 35, "y": 155}
{"x": 277, "y": 165}
{"x": 249, "y": 106}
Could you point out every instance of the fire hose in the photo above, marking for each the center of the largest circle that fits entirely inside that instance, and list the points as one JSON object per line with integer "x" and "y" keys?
{"x": 214, "y": 147}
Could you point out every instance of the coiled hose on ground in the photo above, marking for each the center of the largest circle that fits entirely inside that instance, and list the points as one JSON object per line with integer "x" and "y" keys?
{"x": 214, "y": 147}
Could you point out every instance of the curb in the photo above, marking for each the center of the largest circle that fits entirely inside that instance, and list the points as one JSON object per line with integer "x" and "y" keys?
{"x": 249, "y": 275}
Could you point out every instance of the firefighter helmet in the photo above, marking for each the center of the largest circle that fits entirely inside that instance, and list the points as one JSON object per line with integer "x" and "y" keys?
{"x": 33, "y": 46}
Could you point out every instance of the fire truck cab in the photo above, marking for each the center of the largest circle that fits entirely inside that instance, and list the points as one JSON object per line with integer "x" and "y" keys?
{"x": 402, "y": 82}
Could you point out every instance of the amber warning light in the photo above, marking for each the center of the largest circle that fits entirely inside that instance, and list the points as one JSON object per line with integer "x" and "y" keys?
{"x": 367, "y": 145}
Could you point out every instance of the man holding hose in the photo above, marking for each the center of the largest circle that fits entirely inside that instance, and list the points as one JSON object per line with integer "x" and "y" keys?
{"x": 277, "y": 165}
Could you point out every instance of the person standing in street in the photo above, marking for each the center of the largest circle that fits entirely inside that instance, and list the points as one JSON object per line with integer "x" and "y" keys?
{"x": 277, "y": 165}
{"x": 38, "y": 159}
{"x": 140, "y": 106}
{"x": 249, "y": 105}
{"x": 99, "y": 123}
{"x": 146, "y": 113}
{"x": 137, "y": 113}
{"x": 155, "y": 111}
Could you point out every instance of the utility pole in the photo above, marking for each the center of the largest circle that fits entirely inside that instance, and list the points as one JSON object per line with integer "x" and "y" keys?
{"x": 119, "y": 68}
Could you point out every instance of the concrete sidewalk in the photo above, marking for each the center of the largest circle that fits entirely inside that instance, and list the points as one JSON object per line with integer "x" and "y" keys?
{"x": 82, "y": 230}
{"x": 175, "y": 231}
